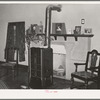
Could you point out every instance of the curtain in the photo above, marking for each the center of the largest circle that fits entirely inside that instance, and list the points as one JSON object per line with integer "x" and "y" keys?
{"x": 16, "y": 39}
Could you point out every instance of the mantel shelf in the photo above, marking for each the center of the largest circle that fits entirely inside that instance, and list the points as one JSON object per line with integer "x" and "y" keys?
{"x": 70, "y": 35}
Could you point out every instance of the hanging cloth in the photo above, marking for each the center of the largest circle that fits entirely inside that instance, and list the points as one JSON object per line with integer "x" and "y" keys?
{"x": 20, "y": 34}
{"x": 16, "y": 39}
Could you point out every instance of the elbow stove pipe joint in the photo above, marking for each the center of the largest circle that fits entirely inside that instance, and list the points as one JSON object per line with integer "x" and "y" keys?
{"x": 48, "y": 22}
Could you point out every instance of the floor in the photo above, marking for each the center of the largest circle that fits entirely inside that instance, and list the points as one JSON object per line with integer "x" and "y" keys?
{"x": 22, "y": 80}
{"x": 15, "y": 83}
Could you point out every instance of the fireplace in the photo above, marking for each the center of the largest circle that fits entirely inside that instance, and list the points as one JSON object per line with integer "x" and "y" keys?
{"x": 59, "y": 60}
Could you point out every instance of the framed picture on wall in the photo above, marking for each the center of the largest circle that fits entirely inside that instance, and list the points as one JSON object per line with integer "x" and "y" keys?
{"x": 77, "y": 30}
{"x": 58, "y": 28}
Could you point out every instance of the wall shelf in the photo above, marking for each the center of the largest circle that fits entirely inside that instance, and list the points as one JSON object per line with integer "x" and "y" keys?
{"x": 70, "y": 35}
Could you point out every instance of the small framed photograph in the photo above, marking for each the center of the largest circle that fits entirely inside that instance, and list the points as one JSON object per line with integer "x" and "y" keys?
{"x": 58, "y": 28}
{"x": 77, "y": 30}
{"x": 88, "y": 30}
{"x": 37, "y": 28}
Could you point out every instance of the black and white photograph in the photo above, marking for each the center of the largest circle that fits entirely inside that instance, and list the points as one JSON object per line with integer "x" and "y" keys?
{"x": 88, "y": 30}
{"x": 37, "y": 54}
{"x": 58, "y": 28}
{"x": 77, "y": 30}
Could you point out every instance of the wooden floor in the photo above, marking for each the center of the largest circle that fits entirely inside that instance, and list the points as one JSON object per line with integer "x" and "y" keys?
{"x": 16, "y": 83}
{"x": 22, "y": 80}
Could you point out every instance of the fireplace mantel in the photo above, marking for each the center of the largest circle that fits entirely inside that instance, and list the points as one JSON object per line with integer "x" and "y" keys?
{"x": 70, "y": 35}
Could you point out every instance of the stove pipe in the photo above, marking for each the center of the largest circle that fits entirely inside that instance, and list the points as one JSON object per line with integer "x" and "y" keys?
{"x": 48, "y": 22}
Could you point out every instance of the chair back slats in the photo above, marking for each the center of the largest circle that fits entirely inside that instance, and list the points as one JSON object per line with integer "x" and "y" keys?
{"x": 93, "y": 61}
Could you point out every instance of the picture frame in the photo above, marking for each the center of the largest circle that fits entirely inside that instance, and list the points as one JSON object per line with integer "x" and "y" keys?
{"x": 58, "y": 28}
{"x": 77, "y": 30}
{"x": 88, "y": 30}
{"x": 38, "y": 29}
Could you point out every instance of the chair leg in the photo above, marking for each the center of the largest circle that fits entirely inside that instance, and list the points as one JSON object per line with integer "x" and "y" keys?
{"x": 86, "y": 84}
{"x": 7, "y": 71}
{"x": 72, "y": 82}
{"x": 17, "y": 70}
{"x": 98, "y": 84}
{"x": 13, "y": 74}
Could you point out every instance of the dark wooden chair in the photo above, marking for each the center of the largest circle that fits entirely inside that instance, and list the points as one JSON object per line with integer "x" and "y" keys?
{"x": 11, "y": 64}
{"x": 91, "y": 72}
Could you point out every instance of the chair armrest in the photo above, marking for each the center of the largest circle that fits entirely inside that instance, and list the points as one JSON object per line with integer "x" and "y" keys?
{"x": 79, "y": 63}
{"x": 76, "y": 65}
